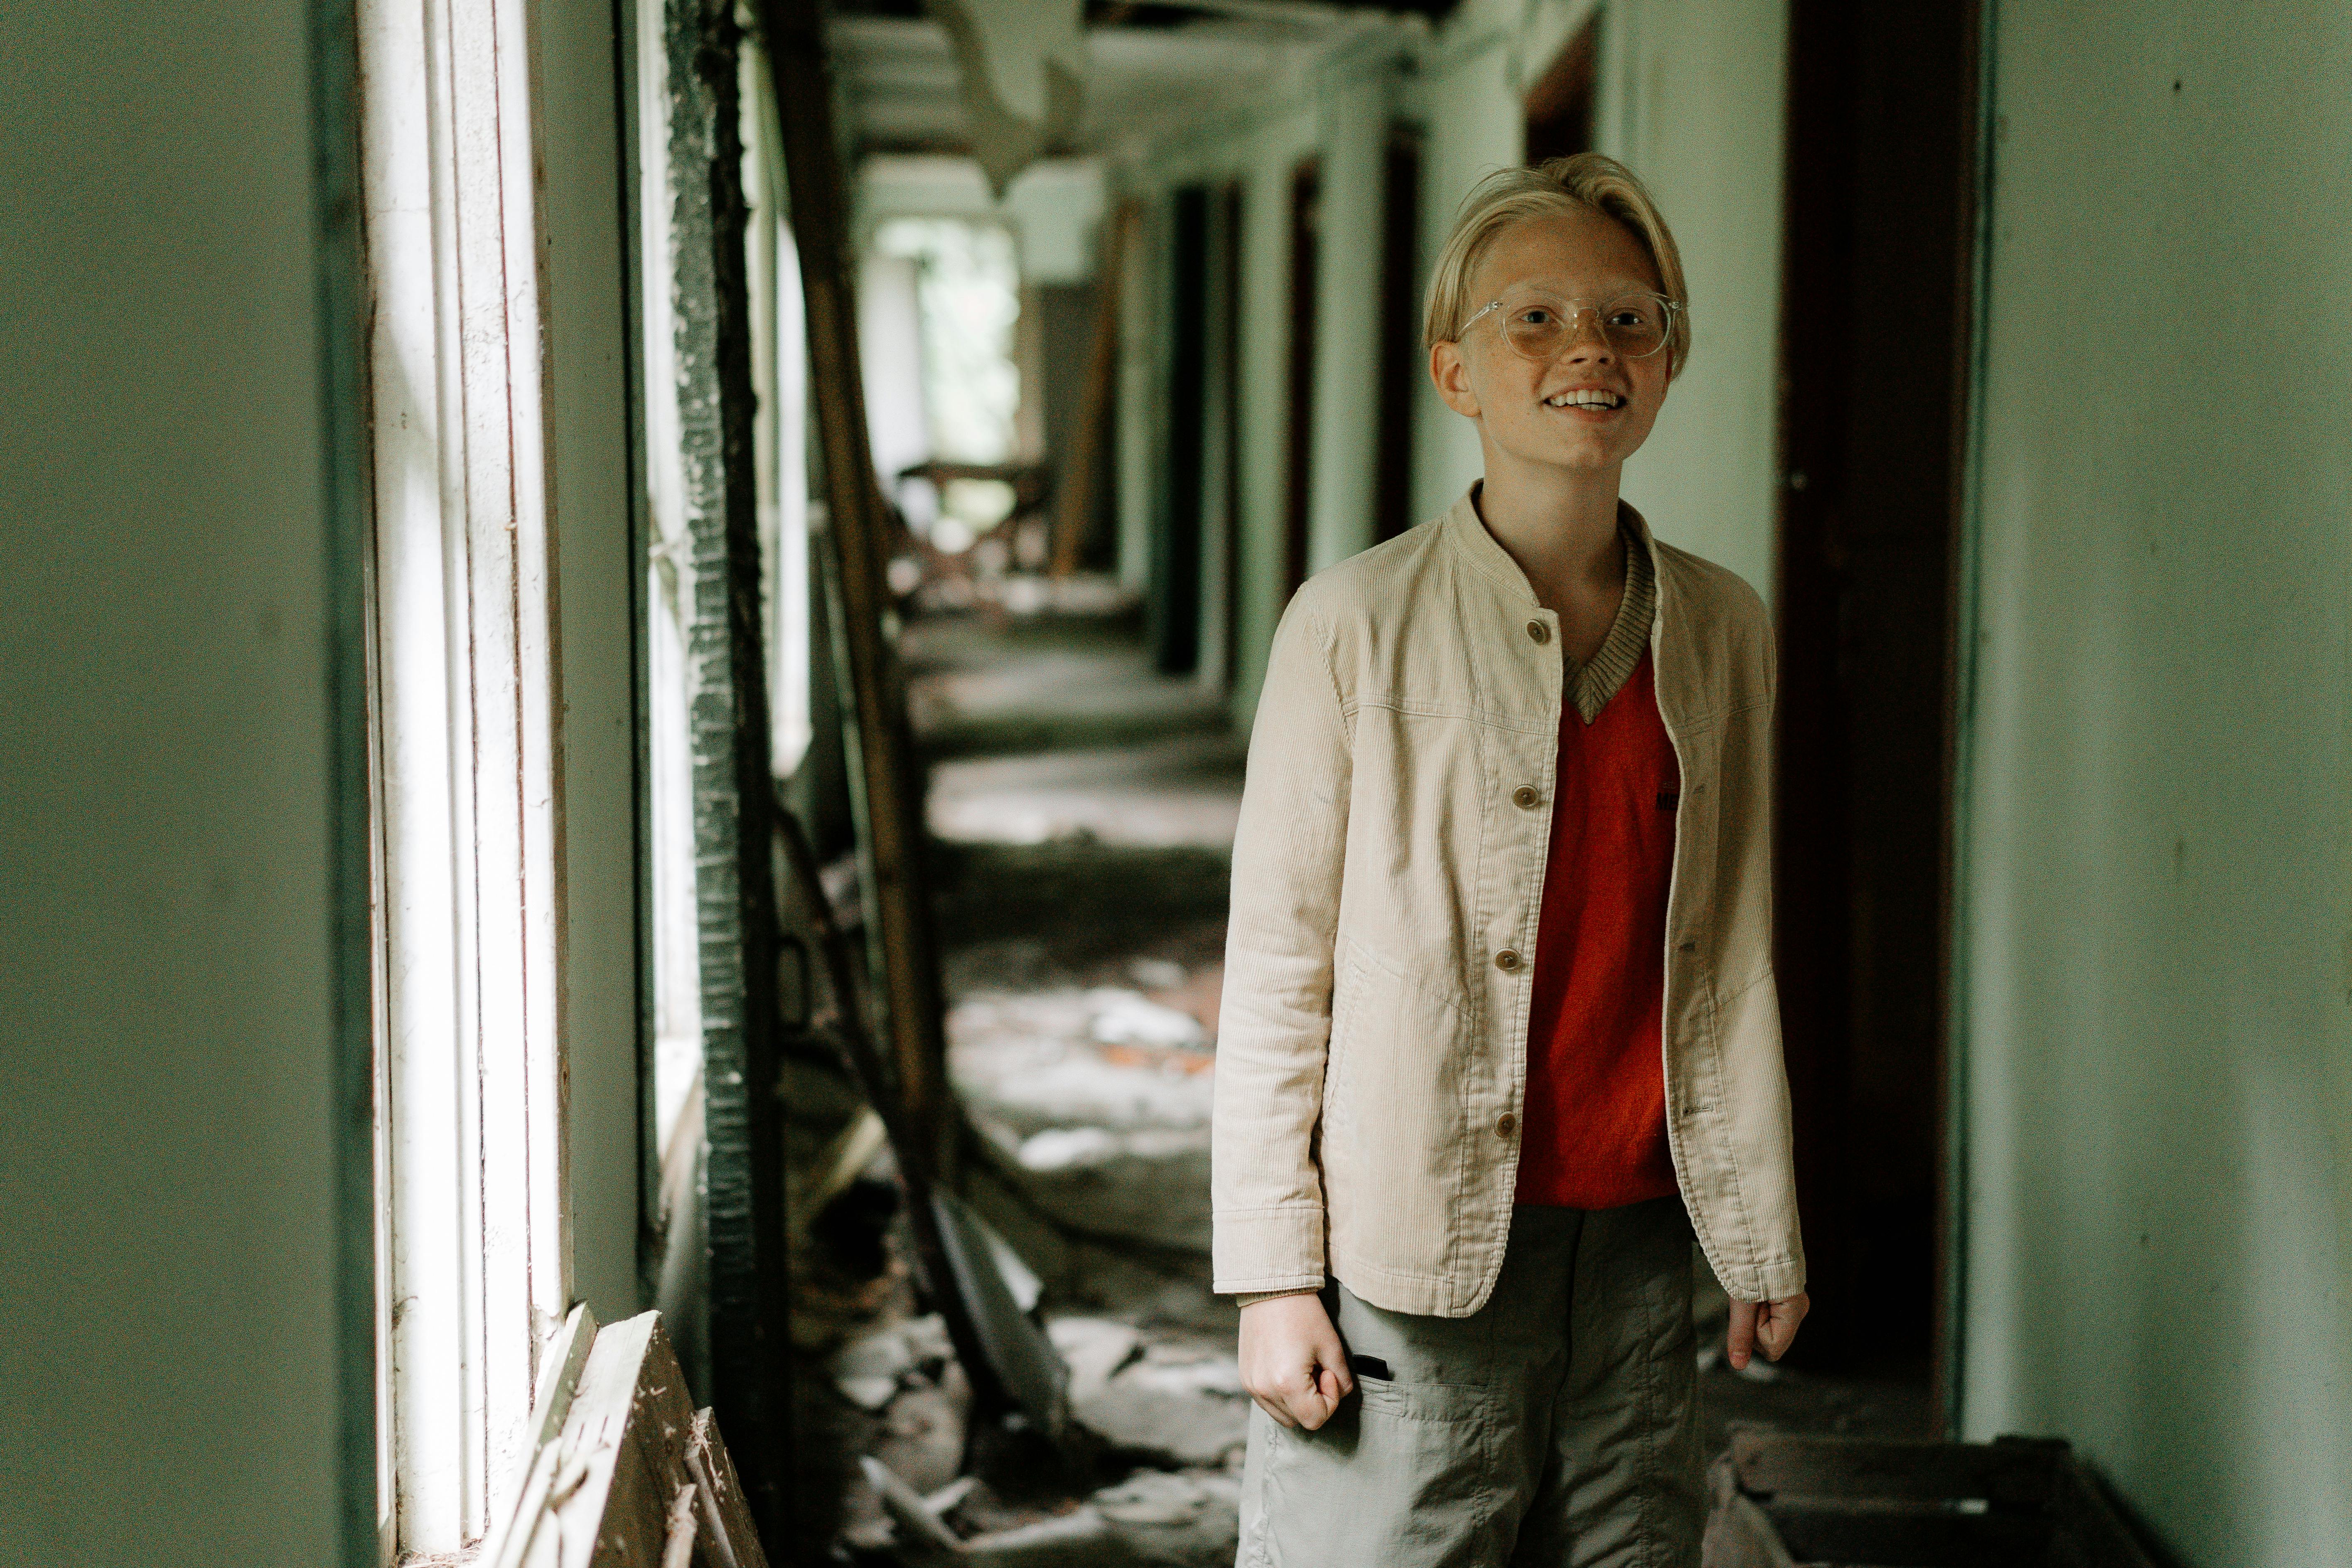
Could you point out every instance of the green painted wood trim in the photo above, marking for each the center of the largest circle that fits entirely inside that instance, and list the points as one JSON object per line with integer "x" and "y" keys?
{"x": 347, "y": 503}
{"x": 1966, "y": 631}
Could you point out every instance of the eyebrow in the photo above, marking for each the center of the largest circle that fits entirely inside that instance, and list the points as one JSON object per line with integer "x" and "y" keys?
{"x": 1606, "y": 290}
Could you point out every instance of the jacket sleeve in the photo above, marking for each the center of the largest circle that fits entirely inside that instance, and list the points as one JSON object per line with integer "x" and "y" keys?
{"x": 1275, "y": 1022}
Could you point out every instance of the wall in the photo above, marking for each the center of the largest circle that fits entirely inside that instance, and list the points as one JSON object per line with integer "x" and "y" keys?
{"x": 2157, "y": 875}
{"x": 169, "y": 1152}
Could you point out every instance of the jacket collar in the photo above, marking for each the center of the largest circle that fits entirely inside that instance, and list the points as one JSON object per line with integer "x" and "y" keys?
{"x": 1469, "y": 536}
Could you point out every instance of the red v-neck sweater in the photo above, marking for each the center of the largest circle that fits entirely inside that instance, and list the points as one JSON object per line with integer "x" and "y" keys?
{"x": 1595, "y": 1124}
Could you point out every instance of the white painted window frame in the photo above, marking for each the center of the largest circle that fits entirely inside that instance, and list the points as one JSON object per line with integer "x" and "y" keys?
{"x": 476, "y": 1270}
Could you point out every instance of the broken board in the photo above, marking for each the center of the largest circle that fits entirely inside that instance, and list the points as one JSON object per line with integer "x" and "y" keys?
{"x": 626, "y": 1473}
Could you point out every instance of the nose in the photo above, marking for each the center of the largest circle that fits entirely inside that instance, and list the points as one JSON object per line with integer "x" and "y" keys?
{"x": 1587, "y": 342}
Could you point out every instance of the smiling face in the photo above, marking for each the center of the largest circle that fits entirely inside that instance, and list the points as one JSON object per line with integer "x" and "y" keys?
{"x": 1589, "y": 407}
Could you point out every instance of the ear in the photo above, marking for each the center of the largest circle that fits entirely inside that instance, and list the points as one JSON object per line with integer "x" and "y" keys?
{"x": 1453, "y": 378}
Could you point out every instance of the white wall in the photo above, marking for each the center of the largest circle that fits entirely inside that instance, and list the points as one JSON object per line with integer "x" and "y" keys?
{"x": 168, "y": 1156}
{"x": 2158, "y": 866}
{"x": 1699, "y": 95}
{"x": 1354, "y": 110}
{"x": 1266, "y": 164}
{"x": 1471, "y": 105}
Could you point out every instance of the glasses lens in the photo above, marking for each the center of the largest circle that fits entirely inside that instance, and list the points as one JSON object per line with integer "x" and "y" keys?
{"x": 1537, "y": 329}
{"x": 1635, "y": 326}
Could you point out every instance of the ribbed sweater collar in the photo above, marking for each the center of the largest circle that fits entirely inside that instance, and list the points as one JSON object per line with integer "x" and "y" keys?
{"x": 1591, "y": 686}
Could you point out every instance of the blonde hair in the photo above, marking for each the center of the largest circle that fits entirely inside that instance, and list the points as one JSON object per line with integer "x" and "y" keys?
{"x": 1589, "y": 182}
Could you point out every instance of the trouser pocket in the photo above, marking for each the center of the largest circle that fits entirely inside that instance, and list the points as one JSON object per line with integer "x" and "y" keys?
{"x": 1404, "y": 1475}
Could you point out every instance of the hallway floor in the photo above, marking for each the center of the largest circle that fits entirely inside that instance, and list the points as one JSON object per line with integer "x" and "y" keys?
{"x": 1083, "y": 808}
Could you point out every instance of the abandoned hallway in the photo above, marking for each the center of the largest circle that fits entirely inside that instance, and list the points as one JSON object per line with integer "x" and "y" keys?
{"x": 638, "y": 621}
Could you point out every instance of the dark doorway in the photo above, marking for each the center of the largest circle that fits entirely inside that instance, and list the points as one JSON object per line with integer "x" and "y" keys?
{"x": 1401, "y": 361}
{"x": 1175, "y": 584}
{"x": 1875, "y": 334}
{"x": 1560, "y": 105}
{"x": 1305, "y": 258}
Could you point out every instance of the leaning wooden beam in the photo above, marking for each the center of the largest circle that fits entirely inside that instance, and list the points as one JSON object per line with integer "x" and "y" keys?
{"x": 898, "y": 890}
{"x": 749, "y": 1301}
{"x": 1073, "y": 500}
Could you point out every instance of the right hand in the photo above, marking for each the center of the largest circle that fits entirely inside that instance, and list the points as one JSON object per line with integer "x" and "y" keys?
{"x": 1292, "y": 1361}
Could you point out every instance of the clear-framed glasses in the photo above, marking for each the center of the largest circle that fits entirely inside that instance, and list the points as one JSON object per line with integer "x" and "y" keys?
{"x": 1540, "y": 326}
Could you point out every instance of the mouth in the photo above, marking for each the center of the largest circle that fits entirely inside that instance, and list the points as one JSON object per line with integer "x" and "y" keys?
{"x": 1593, "y": 399}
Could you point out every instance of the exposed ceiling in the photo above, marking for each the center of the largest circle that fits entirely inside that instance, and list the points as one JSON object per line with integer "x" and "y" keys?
{"x": 1152, "y": 69}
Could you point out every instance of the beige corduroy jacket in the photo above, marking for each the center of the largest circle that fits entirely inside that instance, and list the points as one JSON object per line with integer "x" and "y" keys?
{"x": 1388, "y": 874}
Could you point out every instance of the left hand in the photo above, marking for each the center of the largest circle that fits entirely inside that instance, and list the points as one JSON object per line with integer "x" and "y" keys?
{"x": 1768, "y": 1326}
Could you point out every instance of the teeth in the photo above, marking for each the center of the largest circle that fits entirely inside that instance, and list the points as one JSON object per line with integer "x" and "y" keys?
{"x": 1590, "y": 398}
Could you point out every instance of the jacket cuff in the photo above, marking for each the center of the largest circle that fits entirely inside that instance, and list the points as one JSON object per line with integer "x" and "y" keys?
{"x": 1768, "y": 1281}
{"x": 1252, "y": 1298}
{"x": 1268, "y": 1250}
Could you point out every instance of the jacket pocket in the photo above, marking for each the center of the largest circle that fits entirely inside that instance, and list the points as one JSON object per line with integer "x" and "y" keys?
{"x": 1394, "y": 1118}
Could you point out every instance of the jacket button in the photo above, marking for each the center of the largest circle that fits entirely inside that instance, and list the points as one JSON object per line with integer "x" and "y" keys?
{"x": 1539, "y": 631}
{"x": 1507, "y": 960}
{"x": 1524, "y": 797}
{"x": 1505, "y": 1124}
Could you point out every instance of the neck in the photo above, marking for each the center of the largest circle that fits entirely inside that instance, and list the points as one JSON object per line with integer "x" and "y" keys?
{"x": 1560, "y": 524}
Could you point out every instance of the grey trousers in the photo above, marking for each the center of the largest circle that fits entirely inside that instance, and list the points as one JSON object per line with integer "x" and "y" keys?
{"x": 1557, "y": 1425}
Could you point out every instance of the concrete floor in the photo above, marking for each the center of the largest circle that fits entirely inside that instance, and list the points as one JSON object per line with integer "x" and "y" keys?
{"x": 1084, "y": 811}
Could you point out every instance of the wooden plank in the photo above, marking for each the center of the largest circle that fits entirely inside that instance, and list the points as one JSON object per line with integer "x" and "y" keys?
{"x": 629, "y": 1475}
{"x": 858, "y": 532}
{"x": 1915, "y": 1537}
{"x": 2012, "y": 1474}
{"x": 678, "y": 1545}
{"x": 735, "y": 1543}
{"x": 1073, "y": 497}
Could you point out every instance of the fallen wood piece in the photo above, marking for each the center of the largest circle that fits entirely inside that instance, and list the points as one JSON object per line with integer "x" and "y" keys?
{"x": 727, "y": 1512}
{"x": 1080, "y": 1539}
{"x": 1024, "y": 1357}
{"x": 943, "y": 1501}
{"x": 909, "y": 1510}
{"x": 842, "y": 1161}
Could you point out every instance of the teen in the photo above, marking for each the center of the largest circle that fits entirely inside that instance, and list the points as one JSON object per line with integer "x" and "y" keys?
{"x": 1499, "y": 1030}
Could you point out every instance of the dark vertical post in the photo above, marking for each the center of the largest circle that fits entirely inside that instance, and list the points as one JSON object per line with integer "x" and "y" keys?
{"x": 1175, "y": 598}
{"x": 1305, "y": 263}
{"x": 733, "y": 797}
{"x": 1874, "y": 339}
{"x": 1229, "y": 370}
{"x": 1401, "y": 365}
{"x": 1559, "y": 106}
